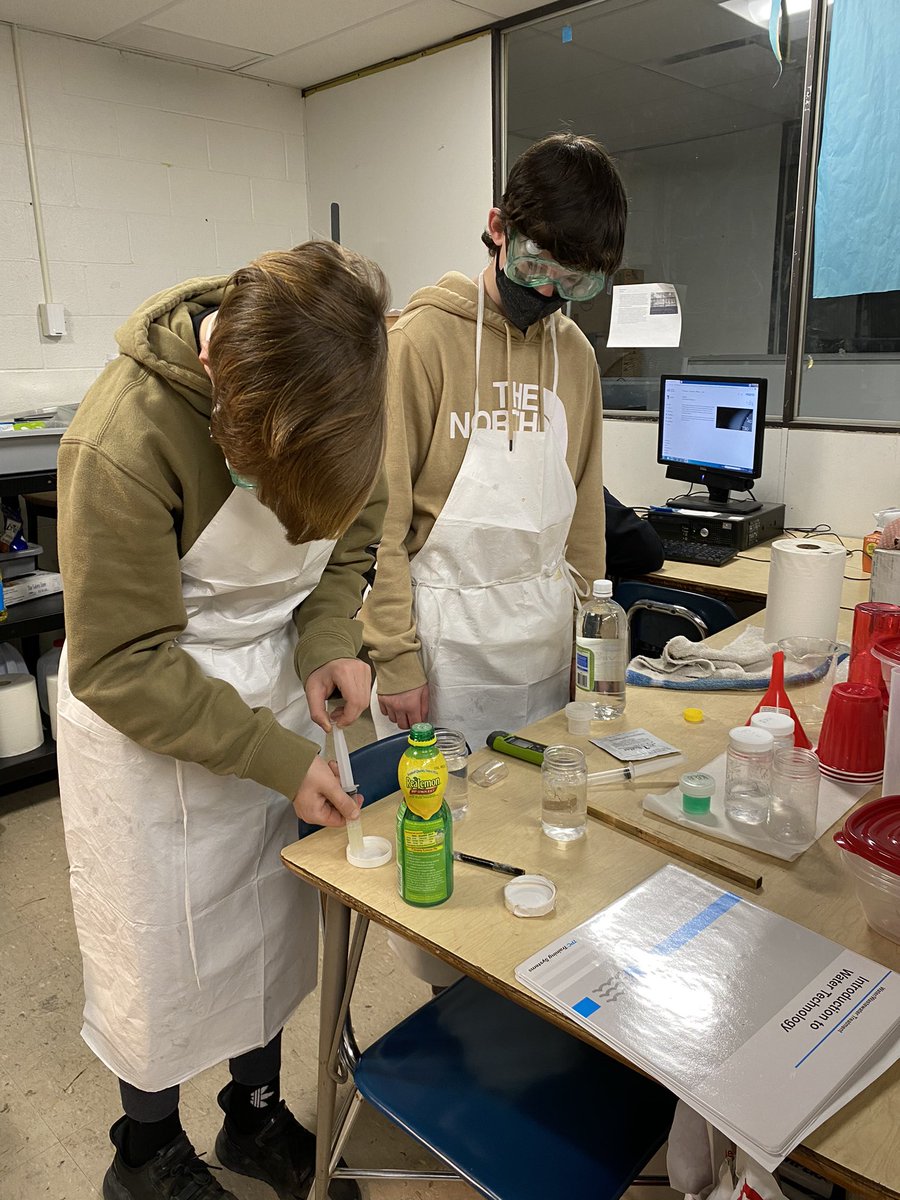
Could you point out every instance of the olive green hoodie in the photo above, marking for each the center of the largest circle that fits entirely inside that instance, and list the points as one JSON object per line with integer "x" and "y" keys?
{"x": 139, "y": 481}
{"x": 431, "y": 412}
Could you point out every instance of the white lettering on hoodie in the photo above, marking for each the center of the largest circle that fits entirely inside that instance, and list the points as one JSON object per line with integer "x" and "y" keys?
{"x": 524, "y": 411}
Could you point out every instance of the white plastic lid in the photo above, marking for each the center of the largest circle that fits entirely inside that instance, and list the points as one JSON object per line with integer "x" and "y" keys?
{"x": 579, "y": 710}
{"x": 780, "y": 725}
{"x": 750, "y": 739}
{"x": 378, "y": 851}
{"x": 697, "y": 784}
{"x": 602, "y": 587}
{"x": 530, "y": 896}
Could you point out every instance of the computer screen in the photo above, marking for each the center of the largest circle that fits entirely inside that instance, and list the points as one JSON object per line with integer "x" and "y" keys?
{"x": 713, "y": 423}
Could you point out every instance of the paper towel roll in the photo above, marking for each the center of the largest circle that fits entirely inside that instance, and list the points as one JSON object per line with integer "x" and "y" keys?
{"x": 805, "y": 582}
{"x": 52, "y": 701}
{"x": 20, "y": 716}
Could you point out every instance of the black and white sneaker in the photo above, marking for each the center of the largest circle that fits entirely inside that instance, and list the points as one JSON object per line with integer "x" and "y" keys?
{"x": 282, "y": 1154}
{"x": 175, "y": 1173}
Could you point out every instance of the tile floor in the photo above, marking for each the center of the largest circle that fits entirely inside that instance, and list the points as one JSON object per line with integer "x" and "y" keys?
{"x": 57, "y": 1101}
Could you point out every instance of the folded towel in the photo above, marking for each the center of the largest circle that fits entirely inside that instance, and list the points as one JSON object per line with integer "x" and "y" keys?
{"x": 744, "y": 665}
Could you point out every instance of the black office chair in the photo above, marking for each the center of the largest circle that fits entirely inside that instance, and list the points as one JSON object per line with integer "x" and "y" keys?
{"x": 508, "y": 1101}
{"x": 656, "y": 614}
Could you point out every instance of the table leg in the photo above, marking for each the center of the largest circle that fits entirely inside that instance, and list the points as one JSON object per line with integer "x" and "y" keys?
{"x": 331, "y": 991}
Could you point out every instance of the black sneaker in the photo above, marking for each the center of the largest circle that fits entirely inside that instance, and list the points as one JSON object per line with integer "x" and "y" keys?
{"x": 281, "y": 1154}
{"x": 175, "y": 1173}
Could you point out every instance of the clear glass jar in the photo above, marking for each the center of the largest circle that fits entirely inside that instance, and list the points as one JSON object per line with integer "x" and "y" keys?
{"x": 452, "y": 745}
{"x": 564, "y": 793}
{"x": 748, "y": 775}
{"x": 795, "y": 797}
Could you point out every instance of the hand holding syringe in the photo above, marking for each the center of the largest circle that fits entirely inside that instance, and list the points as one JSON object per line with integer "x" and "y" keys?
{"x": 361, "y": 851}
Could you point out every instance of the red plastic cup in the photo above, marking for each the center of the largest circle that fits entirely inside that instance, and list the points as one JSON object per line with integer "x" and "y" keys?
{"x": 852, "y": 737}
{"x": 871, "y": 621}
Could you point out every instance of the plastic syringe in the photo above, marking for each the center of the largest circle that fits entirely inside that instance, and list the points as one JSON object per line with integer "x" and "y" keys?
{"x": 628, "y": 771}
{"x": 342, "y": 754}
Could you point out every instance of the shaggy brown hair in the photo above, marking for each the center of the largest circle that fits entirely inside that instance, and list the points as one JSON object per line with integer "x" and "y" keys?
{"x": 564, "y": 193}
{"x": 298, "y": 357}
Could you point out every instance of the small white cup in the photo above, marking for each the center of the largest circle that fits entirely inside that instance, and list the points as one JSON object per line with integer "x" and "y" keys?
{"x": 579, "y": 714}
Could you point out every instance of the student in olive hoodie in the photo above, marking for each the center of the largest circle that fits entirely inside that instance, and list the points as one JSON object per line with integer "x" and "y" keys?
{"x": 216, "y": 498}
{"x": 495, "y": 492}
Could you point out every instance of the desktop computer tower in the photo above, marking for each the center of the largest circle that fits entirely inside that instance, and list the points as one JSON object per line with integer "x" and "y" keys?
{"x": 739, "y": 530}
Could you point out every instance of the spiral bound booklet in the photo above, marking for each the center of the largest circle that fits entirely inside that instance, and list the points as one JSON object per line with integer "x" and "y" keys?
{"x": 761, "y": 1025}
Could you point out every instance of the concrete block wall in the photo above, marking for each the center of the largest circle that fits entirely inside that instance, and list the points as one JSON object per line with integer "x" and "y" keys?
{"x": 150, "y": 172}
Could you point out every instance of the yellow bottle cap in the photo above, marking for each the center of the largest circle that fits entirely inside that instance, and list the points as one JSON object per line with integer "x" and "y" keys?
{"x": 693, "y": 715}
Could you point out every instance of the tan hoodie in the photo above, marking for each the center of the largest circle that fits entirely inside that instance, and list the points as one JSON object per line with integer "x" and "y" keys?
{"x": 139, "y": 481}
{"x": 430, "y": 416}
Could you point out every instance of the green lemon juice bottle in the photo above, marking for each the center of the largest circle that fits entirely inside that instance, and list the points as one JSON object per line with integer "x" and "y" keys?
{"x": 424, "y": 823}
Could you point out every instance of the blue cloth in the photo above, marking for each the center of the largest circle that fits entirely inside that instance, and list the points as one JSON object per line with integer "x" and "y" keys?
{"x": 857, "y": 232}
{"x": 748, "y": 683}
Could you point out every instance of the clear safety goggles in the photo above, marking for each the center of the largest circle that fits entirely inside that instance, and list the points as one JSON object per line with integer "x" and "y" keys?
{"x": 526, "y": 264}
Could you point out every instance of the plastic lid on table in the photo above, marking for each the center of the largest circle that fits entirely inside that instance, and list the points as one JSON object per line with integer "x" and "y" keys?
{"x": 378, "y": 851}
{"x": 530, "y": 896}
{"x": 873, "y": 833}
{"x": 698, "y": 784}
{"x": 750, "y": 739}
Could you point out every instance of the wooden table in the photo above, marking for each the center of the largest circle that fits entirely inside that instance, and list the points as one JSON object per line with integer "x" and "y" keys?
{"x": 747, "y": 576}
{"x": 474, "y": 933}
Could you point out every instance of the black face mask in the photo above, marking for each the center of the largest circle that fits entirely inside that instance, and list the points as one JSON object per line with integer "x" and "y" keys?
{"x": 524, "y": 305}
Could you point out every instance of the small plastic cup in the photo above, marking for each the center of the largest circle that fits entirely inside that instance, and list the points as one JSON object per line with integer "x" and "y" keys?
{"x": 852, "y": 737}
{"x": 579, "y": 714}
{"x": 489, "y": 773}
{"x": 697, "y": 790}
{"x": 795, "y": 797}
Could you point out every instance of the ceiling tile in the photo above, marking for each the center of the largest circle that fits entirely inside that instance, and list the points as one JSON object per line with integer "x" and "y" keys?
{"x": 90, "y": 19}
{"x": 393, "y": 35}
{"x": 287, "y": 23}
{"x": 178, "y": 45}
{"x": 500, "y": 9}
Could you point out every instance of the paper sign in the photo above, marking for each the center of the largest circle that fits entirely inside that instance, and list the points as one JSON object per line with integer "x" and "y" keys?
{"x": 644, "y": 314}
{"x": 634, "y": 745}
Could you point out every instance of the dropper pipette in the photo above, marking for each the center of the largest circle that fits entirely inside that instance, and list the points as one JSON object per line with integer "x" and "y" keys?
{"x": 345, "y": 771}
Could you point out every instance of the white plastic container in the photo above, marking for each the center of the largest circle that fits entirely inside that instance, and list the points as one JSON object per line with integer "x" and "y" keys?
{"x": 579, "y": 714}
{"x": 870, "y": 852}
{"x": 47, "y": 664}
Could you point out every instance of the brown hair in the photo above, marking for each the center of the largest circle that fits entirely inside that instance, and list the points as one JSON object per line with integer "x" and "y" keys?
{"x": 565, "y": 193}
{"x": 298, "y": 357}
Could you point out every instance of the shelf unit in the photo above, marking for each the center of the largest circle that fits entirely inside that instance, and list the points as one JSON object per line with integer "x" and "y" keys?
{"x": 27, "y": 621}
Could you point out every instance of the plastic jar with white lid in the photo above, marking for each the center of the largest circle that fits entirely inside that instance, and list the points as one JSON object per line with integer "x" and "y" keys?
{"x": 748, "y": 775}
{"x": 779, "y": 724}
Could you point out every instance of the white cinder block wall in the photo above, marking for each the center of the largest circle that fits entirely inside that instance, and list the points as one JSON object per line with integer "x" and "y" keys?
{"x": 150, "y": 172}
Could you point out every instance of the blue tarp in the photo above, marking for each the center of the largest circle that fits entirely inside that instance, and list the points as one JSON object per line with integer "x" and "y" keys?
{"x": 857, "y": 231}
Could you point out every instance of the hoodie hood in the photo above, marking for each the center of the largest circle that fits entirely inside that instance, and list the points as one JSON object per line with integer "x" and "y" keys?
{"x": 159, "y": 335}
{"x": 457, "y": 293}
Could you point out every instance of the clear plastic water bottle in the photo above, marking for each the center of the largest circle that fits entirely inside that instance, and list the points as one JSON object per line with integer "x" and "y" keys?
{"x": 601, "y": 653}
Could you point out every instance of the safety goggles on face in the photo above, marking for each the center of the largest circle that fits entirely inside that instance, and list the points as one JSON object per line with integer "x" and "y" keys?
{"x": 526, "y": 264}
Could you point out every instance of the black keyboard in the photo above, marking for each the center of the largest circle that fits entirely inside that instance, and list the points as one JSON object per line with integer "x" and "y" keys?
{"x": 706, "y": 554}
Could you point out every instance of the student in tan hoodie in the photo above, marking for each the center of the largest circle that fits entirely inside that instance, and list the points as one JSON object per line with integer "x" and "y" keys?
{"x": 216, "y": 501}
{"x": 495, "y": 491}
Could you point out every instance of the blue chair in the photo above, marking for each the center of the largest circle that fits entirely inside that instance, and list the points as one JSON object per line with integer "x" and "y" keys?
{"x": 513, "y": 1105}
{"x": 656, "y": 614}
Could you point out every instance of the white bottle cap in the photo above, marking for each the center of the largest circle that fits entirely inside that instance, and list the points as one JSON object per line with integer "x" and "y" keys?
{"x": 530, "y": 896}
{"x": 780, "y": 725}
{"x": 602, "y": 587}
{"x": 751, "y": 740}
{"x": 378, "y": 851}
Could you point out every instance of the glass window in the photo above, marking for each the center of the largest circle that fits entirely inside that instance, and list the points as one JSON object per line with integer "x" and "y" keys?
{"x": 683, "y": 93}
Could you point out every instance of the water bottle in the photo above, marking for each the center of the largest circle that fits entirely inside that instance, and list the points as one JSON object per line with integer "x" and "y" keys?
{"x": 601, "y": 653}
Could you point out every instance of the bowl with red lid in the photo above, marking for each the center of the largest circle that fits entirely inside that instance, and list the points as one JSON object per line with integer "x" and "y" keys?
{"x": 870, "y": 850}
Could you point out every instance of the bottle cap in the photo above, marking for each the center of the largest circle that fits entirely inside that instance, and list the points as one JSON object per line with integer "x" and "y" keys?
{"x": 698, "y": 784}
{"x": 750, "y": 739}
{"x": 530, "y": 896}
{"x": 602, "y": 587}
{"x": 377, "y": 852}
{"x": 780, "y": 725}
{"x": 693, "y": 715}
{"x": 421, "y": 733}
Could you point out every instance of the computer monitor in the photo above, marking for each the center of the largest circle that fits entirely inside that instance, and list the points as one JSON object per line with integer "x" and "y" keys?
{"x": 711, "y": 432}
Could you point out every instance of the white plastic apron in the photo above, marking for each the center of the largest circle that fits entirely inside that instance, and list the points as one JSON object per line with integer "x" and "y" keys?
{"x": 197, "y": 943}
{"x": 493, "y": 596}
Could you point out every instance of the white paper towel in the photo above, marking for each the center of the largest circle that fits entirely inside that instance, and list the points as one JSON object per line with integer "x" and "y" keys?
{"x": 805, "y": 582}
{"x": 52, "y": 701}
{"x": 20, "y": 715}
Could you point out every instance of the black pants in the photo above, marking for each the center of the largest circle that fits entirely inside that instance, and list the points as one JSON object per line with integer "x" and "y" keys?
{"x": 251, "y": 1069}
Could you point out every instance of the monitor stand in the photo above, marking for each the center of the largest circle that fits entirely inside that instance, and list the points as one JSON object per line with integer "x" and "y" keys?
{"x": 719, "y": 500}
